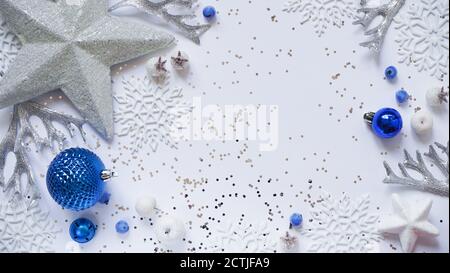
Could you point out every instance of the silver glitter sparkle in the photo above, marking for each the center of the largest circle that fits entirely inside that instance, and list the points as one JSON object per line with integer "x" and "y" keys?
{"x": 429, "y": 182}
{"x": 14, "y": 142}
{"x": 162, "y": 9}
{"x": 71, "y": 47}
{"x": 387, "y": 11}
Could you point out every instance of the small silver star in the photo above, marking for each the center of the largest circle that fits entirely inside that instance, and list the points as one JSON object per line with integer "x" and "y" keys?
{"x": 160, "y": 66}
{"x": 289, "y": 241}
{"x": 72, "y": 47}
{"x": 179, "y": 61}
{"x": 443, "y": 96}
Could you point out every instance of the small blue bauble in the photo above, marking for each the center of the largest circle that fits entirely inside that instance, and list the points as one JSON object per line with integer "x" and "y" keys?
{"x": 296, "y": 220}
{"x": 390, "y": 73}
{"x": 122, "y": 227}
{"x": 387, "y": 123}
{"x": 209, "y": 12}
{"x": 74, "y": 179}
{"x": 82, "y": 230}
{"x": 105, "y": 198}
{"x": 402, "y": 96}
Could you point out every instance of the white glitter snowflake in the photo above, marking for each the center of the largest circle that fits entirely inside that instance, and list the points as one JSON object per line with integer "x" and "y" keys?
{"x": 150, "y": 114}
{"x": 25, "y": 229}
{"x": 322, "y": 13}
{"x": 423, "y": 37}
{"x": 9, "y": 46}
{"x": 235, "y": 238}
{"x": 342, "y": 226}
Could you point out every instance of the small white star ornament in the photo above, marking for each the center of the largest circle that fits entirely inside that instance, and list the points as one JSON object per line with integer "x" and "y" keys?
{"x": 410, "y": 221}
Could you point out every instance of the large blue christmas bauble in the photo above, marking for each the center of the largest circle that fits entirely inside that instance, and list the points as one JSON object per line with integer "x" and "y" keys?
{"x": 74, "y": 179}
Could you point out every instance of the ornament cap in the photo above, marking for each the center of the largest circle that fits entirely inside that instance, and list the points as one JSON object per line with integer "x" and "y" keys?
{"x": 368, "y": 117}
{"x": 107, "y": 175}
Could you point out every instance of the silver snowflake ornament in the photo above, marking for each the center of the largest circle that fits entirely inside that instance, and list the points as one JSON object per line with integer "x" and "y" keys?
{"x": 72, "y": 47}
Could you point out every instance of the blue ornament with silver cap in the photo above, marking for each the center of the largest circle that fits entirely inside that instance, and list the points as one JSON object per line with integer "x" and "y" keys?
{"x": 76, "y": 179}
{"x": 386, "y": 123}
{"x": 82, "y": 230}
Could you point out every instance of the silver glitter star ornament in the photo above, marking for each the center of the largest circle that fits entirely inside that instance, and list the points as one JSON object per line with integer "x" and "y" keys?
{"x": 72, "y": 47}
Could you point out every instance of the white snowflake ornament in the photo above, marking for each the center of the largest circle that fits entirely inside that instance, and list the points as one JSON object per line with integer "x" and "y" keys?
{"x": 150, "y": 114}
{"x": 322, "y": 14}
{"x": 26, "y": 229}
{"x": 342, "y": 226}
{"x": 243, "y": 238}
{"x": 409, "y": 222}
{"x": 423, "y": 38}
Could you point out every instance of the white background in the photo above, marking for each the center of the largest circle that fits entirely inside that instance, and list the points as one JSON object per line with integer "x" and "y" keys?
{"x": 313, "y": 144}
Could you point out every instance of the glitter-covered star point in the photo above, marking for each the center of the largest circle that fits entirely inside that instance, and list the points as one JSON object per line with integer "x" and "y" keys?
{"x": 72, "y": 47}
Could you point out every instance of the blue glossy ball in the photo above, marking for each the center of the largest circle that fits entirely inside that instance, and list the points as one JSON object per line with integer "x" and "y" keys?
{"x": 296, "y": 220}
{"x": 82, "y": 230}
{"x": 122, "y": 227}
{"x": 387, "y": 123}
{"x": 402, "y": 96}
{"x": 391, "y": 72}
{"x": 209, "y": 12}
{"x": 74, "y": 179}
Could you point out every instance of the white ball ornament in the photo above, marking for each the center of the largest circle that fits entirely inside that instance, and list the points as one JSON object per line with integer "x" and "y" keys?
{"x": 170, "y": 230}
{"x": 72, "y": 247}
{"x": 436, "y": 96}
{"x": 145, "y": 206}
{"x": 422, "y": 122}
